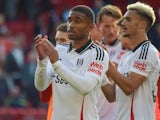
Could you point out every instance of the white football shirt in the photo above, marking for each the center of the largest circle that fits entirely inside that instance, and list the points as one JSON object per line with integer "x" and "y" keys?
{"x": 107, "y": 110}
{"x": 75, "y": 92}
{"x": 143, "y": 60}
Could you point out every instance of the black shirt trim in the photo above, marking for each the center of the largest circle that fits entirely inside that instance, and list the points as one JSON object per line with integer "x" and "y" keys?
{"x": 139, "y": 45}
{"x": 81, "y": 49}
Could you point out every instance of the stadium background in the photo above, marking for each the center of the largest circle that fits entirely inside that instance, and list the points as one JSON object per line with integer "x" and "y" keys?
{"x": 20, "y": 21}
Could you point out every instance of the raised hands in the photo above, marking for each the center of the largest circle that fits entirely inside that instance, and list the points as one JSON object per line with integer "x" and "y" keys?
{"x": 40, "y": 46}
{"x": 45, "y": 48}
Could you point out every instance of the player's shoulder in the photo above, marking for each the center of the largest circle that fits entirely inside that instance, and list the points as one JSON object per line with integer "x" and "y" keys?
{"x": 94, "y": 47}
{"x": 141, "y": 51}
{"x": 98, "y": 51}
{"x": 146, "y": 51}
{"x": 90, "y": 47}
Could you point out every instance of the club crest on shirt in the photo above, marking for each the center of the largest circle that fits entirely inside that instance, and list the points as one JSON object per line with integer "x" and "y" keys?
{"x": 80, "y": 62}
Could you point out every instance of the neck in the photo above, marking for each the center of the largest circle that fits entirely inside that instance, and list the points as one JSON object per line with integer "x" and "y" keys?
{"x": 78, "y": 43}
{"x": 136, "y": 40}
{"x": 111, "y": 43}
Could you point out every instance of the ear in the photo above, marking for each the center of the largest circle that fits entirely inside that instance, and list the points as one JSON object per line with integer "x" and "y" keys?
{"x": 143, "y": 24}
{"x": 91, "y": 26}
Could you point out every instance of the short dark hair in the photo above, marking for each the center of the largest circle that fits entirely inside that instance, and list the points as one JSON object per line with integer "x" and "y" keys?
{"x": 85, "y": 10}
{"x": 62, "y": 27}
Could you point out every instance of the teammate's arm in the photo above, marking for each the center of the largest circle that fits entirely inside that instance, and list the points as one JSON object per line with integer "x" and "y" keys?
{"x": 127, "y": 84}
{"x": 108, "y": 89}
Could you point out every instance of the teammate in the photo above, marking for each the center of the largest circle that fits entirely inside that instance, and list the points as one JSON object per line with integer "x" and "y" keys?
{"x": 108, "y": 34}
{"x": 125, "y": 42}
{"x": 61, "y": 37}
{"x": 77, "y": 72}
{"x": 138, "y": 72}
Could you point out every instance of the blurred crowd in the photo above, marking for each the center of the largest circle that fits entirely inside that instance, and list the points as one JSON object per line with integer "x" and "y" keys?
{"x": 20, "y": 21}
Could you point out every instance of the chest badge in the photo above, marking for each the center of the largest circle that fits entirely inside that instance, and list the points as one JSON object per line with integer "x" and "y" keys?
{"x": 79, "y": 62}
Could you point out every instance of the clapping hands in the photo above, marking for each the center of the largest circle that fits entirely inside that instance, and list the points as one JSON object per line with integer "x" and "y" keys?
{"x": 45, "y": 48}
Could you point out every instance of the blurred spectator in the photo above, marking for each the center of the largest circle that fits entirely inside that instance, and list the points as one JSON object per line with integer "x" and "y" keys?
{"x": 14, "y": 61}
{"x": 46, "y": 23}
{"x": 97, "y": 5}
{"x": 2, "y": 7}
{"x": 65, "y": 14}
{"x": 154, "y": 35}
{"x": 41, "y": 23}
{"x": 3, "y": 27}
{"x": 27, "y": 9}
{"x": 11, "y": 9}
{"x": 53, "y": 21}
{"x": 3, "y": 88}
{"x": 15, "y": 98}
{"x": 28, "y": 77}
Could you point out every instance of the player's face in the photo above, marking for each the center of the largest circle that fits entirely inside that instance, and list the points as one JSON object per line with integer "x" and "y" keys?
{"x": 109, "y": 29}
{"x": 78, "y": 26}
{"x": 131, "y": 23}
{"x": 61, "y": 37}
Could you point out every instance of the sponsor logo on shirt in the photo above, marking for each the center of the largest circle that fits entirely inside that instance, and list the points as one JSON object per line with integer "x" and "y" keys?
{"x": 58, "y": 79}
{"x": 140, "y": 66}
{"x": 95, "y": 68}
{"x": 120, "y": 55}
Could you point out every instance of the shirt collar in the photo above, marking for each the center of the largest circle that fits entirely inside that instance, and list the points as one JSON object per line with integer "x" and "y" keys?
{"x": 115, "y": 42}
{"x": 139, "y": 45}
{"x": 81, "y": 49}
